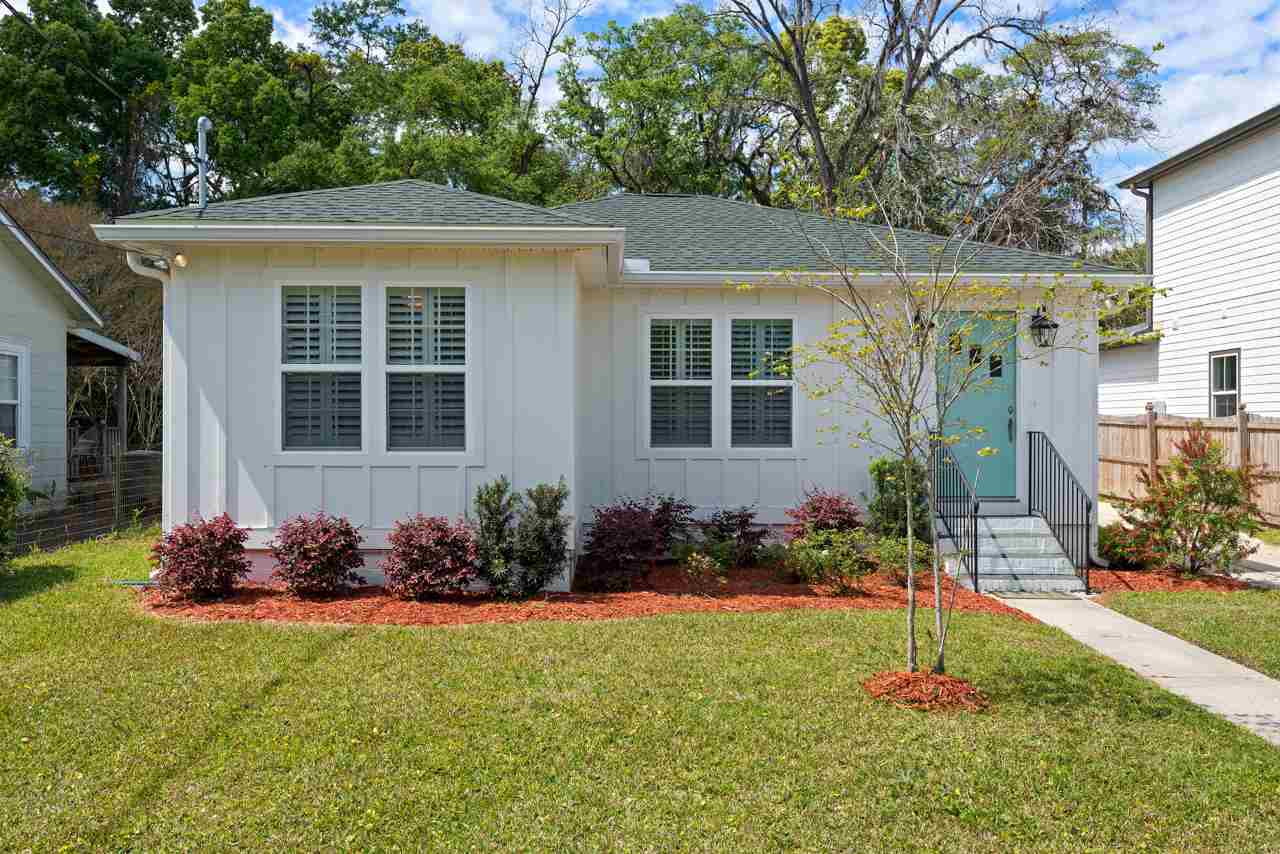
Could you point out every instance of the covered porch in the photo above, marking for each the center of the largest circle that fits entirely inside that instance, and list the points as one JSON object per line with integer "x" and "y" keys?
{"x": 95, "y": 446}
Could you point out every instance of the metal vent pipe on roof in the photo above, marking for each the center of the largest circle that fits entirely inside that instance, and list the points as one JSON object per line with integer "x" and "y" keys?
{"x": 203, "y": 126}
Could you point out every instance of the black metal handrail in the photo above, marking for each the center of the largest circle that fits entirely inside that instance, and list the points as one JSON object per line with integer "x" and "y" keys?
{"x": 1055, "y": 495}
{"x": 957, "y": 506}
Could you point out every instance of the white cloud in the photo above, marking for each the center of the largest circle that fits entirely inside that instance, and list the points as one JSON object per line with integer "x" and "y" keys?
{"x": 289, "y": 31}
{"x": 483, "y": 28}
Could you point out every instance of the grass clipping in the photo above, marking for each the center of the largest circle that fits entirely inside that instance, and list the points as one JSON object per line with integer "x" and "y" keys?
{"x": 929, "y": 692}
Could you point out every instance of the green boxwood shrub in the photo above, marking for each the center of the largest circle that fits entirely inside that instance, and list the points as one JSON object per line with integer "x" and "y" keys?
{"x": 15, "y": 483}
{"x": 887, "y": 510}
{"x": 522, "y": 541}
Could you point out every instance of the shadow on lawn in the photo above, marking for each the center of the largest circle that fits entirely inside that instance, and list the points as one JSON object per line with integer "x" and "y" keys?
{"x": 1077, "y": 684}
{"x": 18, "y": 583}
{"x": 185, "y": 761}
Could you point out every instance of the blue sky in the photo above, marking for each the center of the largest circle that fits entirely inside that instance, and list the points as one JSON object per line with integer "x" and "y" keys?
{"x": 1220, "y": 64}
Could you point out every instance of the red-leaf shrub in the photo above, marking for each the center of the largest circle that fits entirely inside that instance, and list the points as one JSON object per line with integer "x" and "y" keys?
{"x": 620, "y": 540}
{"x": 823, "y": 511}
{"x": 201, "y": 560}
{"x": 429, "y": 555}
{"x": 672, "y": 520}
{"x": 317, "y": 555}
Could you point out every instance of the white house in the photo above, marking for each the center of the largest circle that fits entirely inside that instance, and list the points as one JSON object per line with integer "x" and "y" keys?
{"x": 1213, "y": 217}
{"x": 46, "y": 325}
{"x": 379, "y": 351}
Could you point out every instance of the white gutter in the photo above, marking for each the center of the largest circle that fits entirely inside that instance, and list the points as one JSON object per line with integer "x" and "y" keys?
{"x": 107, "y": 344}
{"x": 134, "y": 260}
{"x": 719, "y": 278}
{"x": 223, "y": 232}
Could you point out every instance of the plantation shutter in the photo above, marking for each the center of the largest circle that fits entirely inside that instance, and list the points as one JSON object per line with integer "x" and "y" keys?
{"x": 761, "y": 416}
{"x": 761, "y": 349}
{"x": 321, "y": 325}
{"x": 680, "y": 416}
{"x": 426, "y": 411}
{"x": 680, "y": 349}
{"x": 321, "y": 411}
{"x": 426, "y": 326}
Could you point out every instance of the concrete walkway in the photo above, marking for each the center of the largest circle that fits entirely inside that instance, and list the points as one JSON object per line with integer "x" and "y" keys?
{"x": 1231, "y": 690}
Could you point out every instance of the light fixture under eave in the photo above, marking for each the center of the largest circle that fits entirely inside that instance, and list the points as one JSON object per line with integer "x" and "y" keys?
{"x": 1044, "y": 329}
{"x": 180, "y": 260}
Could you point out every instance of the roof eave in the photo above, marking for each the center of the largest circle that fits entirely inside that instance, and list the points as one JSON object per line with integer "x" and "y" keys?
{"x": 69, "y": 290}
{"x": 715, "y": 278}
{"x": 1261, "y": 121}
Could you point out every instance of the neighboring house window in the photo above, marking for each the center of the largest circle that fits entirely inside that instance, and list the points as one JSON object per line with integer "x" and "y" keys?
{"x": 321, "y": 354}
{"x": 10, "y": 396}
{"x": 762, "y": 390}
{"x": 680, "y": 382}
{"x": 426, "y": 369}
{"x": 1224, "y": 384}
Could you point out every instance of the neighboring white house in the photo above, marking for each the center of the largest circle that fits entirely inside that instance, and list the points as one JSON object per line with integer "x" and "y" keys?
{"x": 1213, "y": 222}
{"x": 380, "y": 351}
{"x": 46, "y": 325}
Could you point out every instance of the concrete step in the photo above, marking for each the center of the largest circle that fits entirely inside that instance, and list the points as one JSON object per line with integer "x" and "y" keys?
{"x": 1035, "y": 564}
{"x": 1020, "y": 544}
{"x": 1009, "y": 582}
{"x": 997, "y": 525}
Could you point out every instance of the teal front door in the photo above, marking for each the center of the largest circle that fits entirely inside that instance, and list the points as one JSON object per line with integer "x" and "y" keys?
{"x": 978, "y": 373}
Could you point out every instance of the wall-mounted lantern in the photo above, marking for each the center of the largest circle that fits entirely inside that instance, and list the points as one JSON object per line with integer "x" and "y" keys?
{"x": 1044, "y": 330}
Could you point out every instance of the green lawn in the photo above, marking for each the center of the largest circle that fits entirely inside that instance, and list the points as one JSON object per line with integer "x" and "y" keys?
{"x": 1243, "y": 625}
{"x": 1270, "y": 536}
{"x": 711, "y": 732}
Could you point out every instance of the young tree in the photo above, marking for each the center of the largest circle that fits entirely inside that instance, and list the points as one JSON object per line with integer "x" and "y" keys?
{"x": 906, "y": 349}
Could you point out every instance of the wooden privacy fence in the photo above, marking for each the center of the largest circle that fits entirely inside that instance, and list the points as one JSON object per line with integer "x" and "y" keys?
{"x": 1127, "y": 445}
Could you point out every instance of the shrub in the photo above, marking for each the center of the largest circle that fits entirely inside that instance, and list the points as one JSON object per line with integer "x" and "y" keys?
{"x": 497, "y": 508}
{"x": 620, "y": 540}
{"x": 1195, "y": 510}
{"x": 823, "y": 511}
{"x": 772, "y": 554}
{"x": 831, "y": 557}
{"x": 201, "y": 560}
{"x": 15, "y": 483}
{"x": 736, "y": 527}
{"x": 429, "y": 555}
{"x": 1121, "y": 547}
{"x": 317, "y": 555}
{"x": 672, "y": 520}
{"x": 890, "y": 557}
{"x": 542, "y": 539}
{"x": 888, "y": 509}
{"x": 703, "y": 571}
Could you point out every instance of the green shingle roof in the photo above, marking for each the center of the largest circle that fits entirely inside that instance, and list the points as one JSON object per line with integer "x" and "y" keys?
{"x": 704, "y": 233}
{"x": 407, "y": 202}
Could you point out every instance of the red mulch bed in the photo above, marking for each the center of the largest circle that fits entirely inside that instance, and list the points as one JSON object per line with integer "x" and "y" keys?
{"x": 665, "y": 591}
{"x": 1161, "y": 580}
{"x": 929, "y": 692}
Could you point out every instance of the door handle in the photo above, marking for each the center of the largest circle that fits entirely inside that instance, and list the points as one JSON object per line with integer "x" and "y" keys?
{"x": 1010, "y": 428}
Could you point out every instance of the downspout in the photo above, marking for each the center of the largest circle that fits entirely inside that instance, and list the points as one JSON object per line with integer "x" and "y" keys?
{"x": 134, "y": 260}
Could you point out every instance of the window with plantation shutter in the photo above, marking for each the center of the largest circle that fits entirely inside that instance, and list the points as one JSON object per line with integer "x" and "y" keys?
{"x": 322, "y": 325}
{"x": 426, "y": 326}
{"x": 10, "y": 399}
{"x": 321, "y": 411}
{"x": 426, "y": 411}
{"x": 426, "y": 368}
{"x": 321, "y": 351}
{"x": 762, "y": 394}
{"x": 681, "y": 370}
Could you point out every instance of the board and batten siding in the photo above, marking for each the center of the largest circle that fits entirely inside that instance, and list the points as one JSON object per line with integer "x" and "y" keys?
{"x": 1057, "y": 395}
{"x": 222, "y": 386}
{"x": 1216, "y": 250}
{"x": 34, "y": 318}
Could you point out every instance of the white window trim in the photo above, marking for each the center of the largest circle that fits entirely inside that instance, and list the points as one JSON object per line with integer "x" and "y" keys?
{"x": 283, "y": 368}
{"x": 1235, "y": 393}
{"x": 791, "y": 383}
{"x": 22, "y": 422}
{"x": 471, "y": 436}
{"x": 721, "y": 384}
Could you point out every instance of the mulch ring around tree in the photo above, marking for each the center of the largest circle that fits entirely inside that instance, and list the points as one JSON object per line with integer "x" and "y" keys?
{"x": 664, "y": 591}
{"x": 1158, "y": 580}
{"x": 929, "y": 692}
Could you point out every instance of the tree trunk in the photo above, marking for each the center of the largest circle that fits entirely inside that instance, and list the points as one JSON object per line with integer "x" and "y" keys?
{"x": 913, "y": 657}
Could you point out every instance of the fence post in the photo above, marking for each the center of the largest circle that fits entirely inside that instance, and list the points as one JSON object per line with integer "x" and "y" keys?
{"x": 1242, "y": 436}
{"x": 1153, "y": 449}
